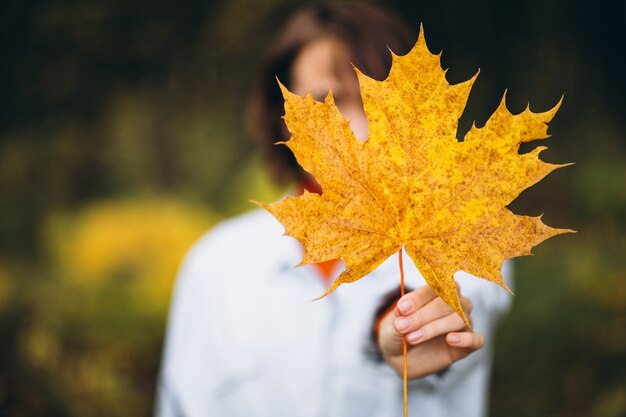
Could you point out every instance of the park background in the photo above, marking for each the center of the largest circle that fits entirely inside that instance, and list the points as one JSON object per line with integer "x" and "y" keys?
{"x": 121, "y": 142}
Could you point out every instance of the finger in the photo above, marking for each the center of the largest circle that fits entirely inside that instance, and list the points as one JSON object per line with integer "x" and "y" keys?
{"x": 464, "y": 343}
{"x": 467, "y": 340}
{"x": 414, "y": 300}
{"x": 434, "y": 310}
{"x": 450, "y": 323}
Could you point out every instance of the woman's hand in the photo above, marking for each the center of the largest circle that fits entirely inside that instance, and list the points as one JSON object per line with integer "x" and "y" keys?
{"x": 436, "y": 335}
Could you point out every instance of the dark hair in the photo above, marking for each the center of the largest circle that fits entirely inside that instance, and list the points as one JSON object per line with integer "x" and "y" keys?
{"x": 367, "y": 34}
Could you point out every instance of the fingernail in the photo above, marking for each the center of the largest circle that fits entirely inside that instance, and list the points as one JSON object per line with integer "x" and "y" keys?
{"x": 415, "y": 336}
{"x": 405, "y": 306}
{"x": 454, "y": 338}
{"x": 403, "y": 323}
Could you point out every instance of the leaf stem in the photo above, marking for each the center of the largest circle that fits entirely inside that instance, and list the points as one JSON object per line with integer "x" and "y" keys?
{"x": 404, "y": 355}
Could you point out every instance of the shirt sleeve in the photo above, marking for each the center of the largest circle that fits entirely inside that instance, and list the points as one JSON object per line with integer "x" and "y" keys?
{"x": 187, "y": 370}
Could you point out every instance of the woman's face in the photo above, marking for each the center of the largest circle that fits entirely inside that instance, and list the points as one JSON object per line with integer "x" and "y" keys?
{"x": 324, "y": 64}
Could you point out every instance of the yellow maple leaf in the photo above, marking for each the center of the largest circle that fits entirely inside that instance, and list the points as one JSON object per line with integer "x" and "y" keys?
{"x": 412, "y": 182}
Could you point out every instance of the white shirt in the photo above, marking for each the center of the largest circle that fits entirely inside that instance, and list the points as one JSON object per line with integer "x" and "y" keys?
{"x": 245, "y": 339}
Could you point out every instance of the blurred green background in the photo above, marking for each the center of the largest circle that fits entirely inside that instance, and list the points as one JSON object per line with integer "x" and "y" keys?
{"x": 121, "y": 142}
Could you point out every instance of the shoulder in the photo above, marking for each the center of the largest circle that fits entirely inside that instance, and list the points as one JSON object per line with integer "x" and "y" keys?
{"x": 235, "y": 248}
{"x": 248, "y": 230}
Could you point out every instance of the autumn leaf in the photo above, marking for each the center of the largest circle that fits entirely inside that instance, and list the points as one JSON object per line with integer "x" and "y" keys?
{"x": 412, "y": 182}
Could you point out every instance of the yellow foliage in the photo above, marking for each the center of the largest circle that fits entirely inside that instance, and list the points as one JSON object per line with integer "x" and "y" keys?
{"x": 131, "y": 242}
{"x": 412, "y": 183}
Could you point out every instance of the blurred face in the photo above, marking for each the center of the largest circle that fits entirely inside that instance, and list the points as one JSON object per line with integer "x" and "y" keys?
{"x": 324, "y": 64}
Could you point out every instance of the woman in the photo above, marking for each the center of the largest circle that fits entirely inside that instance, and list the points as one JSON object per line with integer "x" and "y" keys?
{"x": 243, "y": 340}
